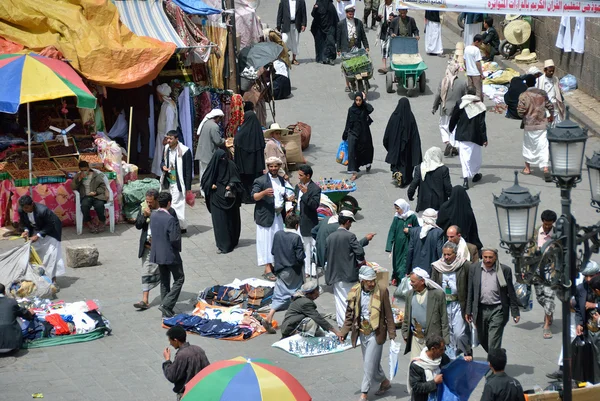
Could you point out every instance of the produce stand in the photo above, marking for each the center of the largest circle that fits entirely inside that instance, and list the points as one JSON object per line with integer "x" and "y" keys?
{"x": 337, "y": 191}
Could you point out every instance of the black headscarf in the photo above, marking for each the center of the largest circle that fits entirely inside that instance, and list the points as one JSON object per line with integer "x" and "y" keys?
{"x": 221, "y": 171}
{"x": 457, "y": 211}
{"x": 402, "y": 140}
{"x": 358, "y": 113}
{"x": 511, "y": 98}
{"x": 249, "y": 146}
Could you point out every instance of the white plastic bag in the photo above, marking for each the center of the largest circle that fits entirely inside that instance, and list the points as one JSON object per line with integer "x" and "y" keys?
{"x": 393, "y": 358}
{"x": 403, "y": 288}
{"x": 474, "y": 336}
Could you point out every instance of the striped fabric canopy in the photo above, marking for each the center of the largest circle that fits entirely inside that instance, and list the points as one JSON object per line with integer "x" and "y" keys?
{"x": 148, "y": 18}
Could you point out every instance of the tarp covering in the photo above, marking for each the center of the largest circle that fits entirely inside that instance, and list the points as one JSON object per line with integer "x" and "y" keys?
{"x": 90, "y": 35}
{"x": 196, "y": 7}
{"x": 460, "y": 379}
{"x": 148, "y": 18}
{"x": 553, "y": 8}
{"x": 15, "y": 267}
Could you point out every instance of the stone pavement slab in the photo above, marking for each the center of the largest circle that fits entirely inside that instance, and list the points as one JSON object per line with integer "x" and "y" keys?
{"x": 127, "y": 364}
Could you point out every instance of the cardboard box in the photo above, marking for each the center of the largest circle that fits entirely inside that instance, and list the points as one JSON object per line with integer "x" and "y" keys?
{"x": 580, "y": 394}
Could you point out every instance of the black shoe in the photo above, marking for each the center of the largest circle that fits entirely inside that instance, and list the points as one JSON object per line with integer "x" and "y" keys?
{"x": 466, "y": 183}
{"x": 165, "y": 312}
{"x": 448, "y": 150}
{"x": 368, "y": 168}
{"x": 268, "y": 327}
{"x": 454, "y": 151}
{"x": 555, "y": 375}
{"x": 183, "y": 230}
{"x": 477, "y": 177}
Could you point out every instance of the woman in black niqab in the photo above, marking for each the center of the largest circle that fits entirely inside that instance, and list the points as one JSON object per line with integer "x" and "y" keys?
{"x": 457, "y": 211}
{"x": 358, "y": 135}
{"x": 323, "y": 28}
{"x": 223, "y": 191}
{"x": 511, "y": 97}
{"x": 249, "y": 152}
{"x": 403, "y": 143}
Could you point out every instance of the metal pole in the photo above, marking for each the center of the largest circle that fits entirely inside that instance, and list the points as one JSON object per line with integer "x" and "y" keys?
{"x": 29, "y": 150}
{"x": 568, "y": 273}
{"x": 238, "y": 83}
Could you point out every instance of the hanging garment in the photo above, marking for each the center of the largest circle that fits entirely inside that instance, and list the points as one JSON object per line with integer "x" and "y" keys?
{"x": 579, "y": 35}
{"x": 563, "y": 40}
{"x": 151, "y": 126}
{"x": 185, "y": 117}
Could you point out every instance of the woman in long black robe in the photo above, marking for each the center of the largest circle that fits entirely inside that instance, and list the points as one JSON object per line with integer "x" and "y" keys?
{"x": 220, "y": 176}
{"x": 403, "y": 143}
{"x": 324, "y": 24}
{"x": 358, "y": 135}
{"x": 511, "y": 97}
{"x": 249, "y": 152}
{"x": 457, "y": 211}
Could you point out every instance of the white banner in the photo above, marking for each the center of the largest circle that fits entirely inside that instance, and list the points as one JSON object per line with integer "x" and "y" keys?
{"x": 553, "y": 8}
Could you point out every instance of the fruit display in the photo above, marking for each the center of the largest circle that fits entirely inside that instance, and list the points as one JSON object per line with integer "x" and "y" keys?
{"x": 336, "y": 185}
{"x": 8, "y": 166}
{"x": 19, "y": 174}
{"x": 40, "y": 165}
{"x": 91, "y": 158}
{"x": 85, "y": 144}
{"x": 67, "y": 162}
{"x": 58, "y": 149}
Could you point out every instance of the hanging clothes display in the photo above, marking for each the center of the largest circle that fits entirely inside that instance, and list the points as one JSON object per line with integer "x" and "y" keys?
{"x": 563, "y": 40}
{"x": 185, "y": 116}
{"x": 151, "y": 123}
{"x": 236, "y": 115}
{"x": 579, "y": 35}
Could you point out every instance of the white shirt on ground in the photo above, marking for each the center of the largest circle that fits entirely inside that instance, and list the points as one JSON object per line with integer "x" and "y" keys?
{"x": 472, "y": 56}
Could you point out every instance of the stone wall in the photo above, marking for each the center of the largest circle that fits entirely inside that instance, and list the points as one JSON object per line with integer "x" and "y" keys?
{"x": 585, "y": 66}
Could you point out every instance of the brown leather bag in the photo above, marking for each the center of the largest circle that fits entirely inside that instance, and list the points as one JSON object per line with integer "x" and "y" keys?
{"x": 305, "y": 132}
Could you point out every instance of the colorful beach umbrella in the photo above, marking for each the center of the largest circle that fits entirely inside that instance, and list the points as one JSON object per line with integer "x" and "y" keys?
{"x": 31, "y": 78}
{"x": 244, "y": 379}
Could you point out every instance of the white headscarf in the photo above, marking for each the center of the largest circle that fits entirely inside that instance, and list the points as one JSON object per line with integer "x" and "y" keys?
{"x": 431, "y": 161}
{"x": 212, "y": 114}
{"x": 430, "y": 366}
{"x": 425, "y": 276}
{"x": 405, "y": 206}
{"x": 164, "y": 89}
{"x": 533, "y": 71}
{"x": 367, "y": 273}
{"x": 429, "y": 221}
{"x": 472, "y": 105}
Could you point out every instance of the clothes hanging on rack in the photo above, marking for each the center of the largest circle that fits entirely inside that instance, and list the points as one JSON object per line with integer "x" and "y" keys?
{"x": 563, "y": 40}
{"x": 236, "y": 115}
{"x": 185, "y": 116}
{"x": 579, "y": 35}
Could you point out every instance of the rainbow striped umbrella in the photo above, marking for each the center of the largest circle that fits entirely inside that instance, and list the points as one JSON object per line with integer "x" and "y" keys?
{"x": 30, "y": 78}
{"x": 244, "y": 379}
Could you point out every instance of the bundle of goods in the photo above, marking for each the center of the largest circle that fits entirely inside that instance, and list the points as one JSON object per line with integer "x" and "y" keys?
{"x": 292, "y": 142}
{"x": 59, "y": 323}
{"x": 398, "y": 316}
{"x": 223, "y": 323}
{"x": 253, "y": 297}
{"x": 134, "y": 194}
{"x": 330, "y": 184}
{"x": 305, "y": 132}
{"x": 327, "y": 207}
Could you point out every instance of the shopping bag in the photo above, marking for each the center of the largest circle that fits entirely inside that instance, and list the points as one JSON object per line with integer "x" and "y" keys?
{"x": 583, "y": 360}
{"x": 342, "y": 153}
{"x": 474, "y": 336}
{"x": 190, "y": 198}
{"x": 403, "y": 289}
{"x": 524, "y": 300}
{"x": 393, "y": 358}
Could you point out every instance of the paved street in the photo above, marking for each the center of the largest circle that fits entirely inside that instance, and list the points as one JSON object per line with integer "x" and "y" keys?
{"x": 127, "y": 364}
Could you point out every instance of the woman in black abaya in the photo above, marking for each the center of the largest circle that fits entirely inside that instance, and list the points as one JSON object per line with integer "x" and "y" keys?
{"x": 457, "y": 211}
{"x": 403, "y": 143}
{"x": 511, "y": 97}
{"x": 324, "y": 24}
{"x": 249, "y": 152}
{"x": 358, "y": 135}
{"x": 222, "y": 188}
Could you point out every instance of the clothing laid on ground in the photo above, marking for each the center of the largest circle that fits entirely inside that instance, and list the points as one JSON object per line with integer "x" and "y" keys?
{"x": 457, "y": 211}
{"x": 223, "y": 204}
{"x": 249, "y": 147}
{"x": 189, "y": 360}
{"x": 323, "y": 28}
{"x": 402, "y": 141}
{"x": 358, "y": 134}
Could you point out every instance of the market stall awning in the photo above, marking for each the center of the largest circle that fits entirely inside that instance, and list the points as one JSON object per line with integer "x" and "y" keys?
{"x": 196, "y": 7}
{"x": 148, "y": 18}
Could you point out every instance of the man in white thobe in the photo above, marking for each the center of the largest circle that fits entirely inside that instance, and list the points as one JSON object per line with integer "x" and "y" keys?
{"x": 433, "y": 34}
{"x": 167, "y": 121}
{"x": 177, "y": 175}
{"x": 549, "y": 83}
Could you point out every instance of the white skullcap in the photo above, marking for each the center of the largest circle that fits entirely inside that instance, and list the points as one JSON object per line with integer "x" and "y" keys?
{"x": 164, "y": 89}
{"x": 420, "y": 272}
{"x": 367, "y": 273}
{"x": 309, "y": 287}
{"x": 349, "y": 7}
{"x": 533, "y": 71}
{"x": 273, "y": 160}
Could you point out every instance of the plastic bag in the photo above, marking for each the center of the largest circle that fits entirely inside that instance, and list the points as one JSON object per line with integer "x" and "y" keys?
{"x": 393, "y": 358}
{"x": 403, "y": 288}
{"x": 568, "y": 83}
{"x": 583, "y": 360}
{"x": 190, "y": 198}
{"x": 342, "y": 153}
{"x": 523, "y": 292}
{"x": 474, "y": 336}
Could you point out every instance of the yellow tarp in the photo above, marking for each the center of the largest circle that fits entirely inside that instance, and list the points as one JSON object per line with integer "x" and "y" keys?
{"x": 90, "y": 35}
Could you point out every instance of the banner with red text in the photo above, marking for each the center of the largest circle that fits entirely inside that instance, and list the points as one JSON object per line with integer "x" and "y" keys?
{"x": 553, "y": 8}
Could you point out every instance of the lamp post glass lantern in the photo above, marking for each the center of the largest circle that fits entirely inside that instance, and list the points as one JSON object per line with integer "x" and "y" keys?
{"x": 567, "y": 146}
{"x": 516, "y": 210}
{"x": 593, "y": 166}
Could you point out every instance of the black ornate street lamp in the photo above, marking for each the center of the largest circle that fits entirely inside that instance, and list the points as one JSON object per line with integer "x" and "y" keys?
{"x": 516, "y": 210}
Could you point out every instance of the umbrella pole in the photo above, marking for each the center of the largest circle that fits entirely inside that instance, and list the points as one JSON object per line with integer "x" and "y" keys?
{"x": 29, "y": 149}
{"x": 272, "y": 95}
{"x": 129, "y": 136}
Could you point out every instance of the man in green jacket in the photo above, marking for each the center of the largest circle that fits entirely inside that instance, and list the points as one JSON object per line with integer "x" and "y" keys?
{"x": 94, "y": 194}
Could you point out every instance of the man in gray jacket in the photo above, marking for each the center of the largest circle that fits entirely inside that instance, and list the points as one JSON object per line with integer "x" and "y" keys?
{"x": 344, "y": 254}
{"x": 209, "y": 139}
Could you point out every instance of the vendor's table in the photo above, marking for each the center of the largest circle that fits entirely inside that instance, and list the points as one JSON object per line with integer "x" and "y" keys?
{"x": 57, "y": 197}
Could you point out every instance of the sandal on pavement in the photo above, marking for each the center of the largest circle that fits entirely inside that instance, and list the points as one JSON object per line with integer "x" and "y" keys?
{"x": 524, "y": 172}
{"x": 295, "y": 62}
{"x": 141, "y": 305}
{"x": 547, "y": 333}
{"x": 547, "y": 176}
{"x": 363, "y": 398}
{"x": 269, "y": 276}
{"x": 383, "y": 389}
